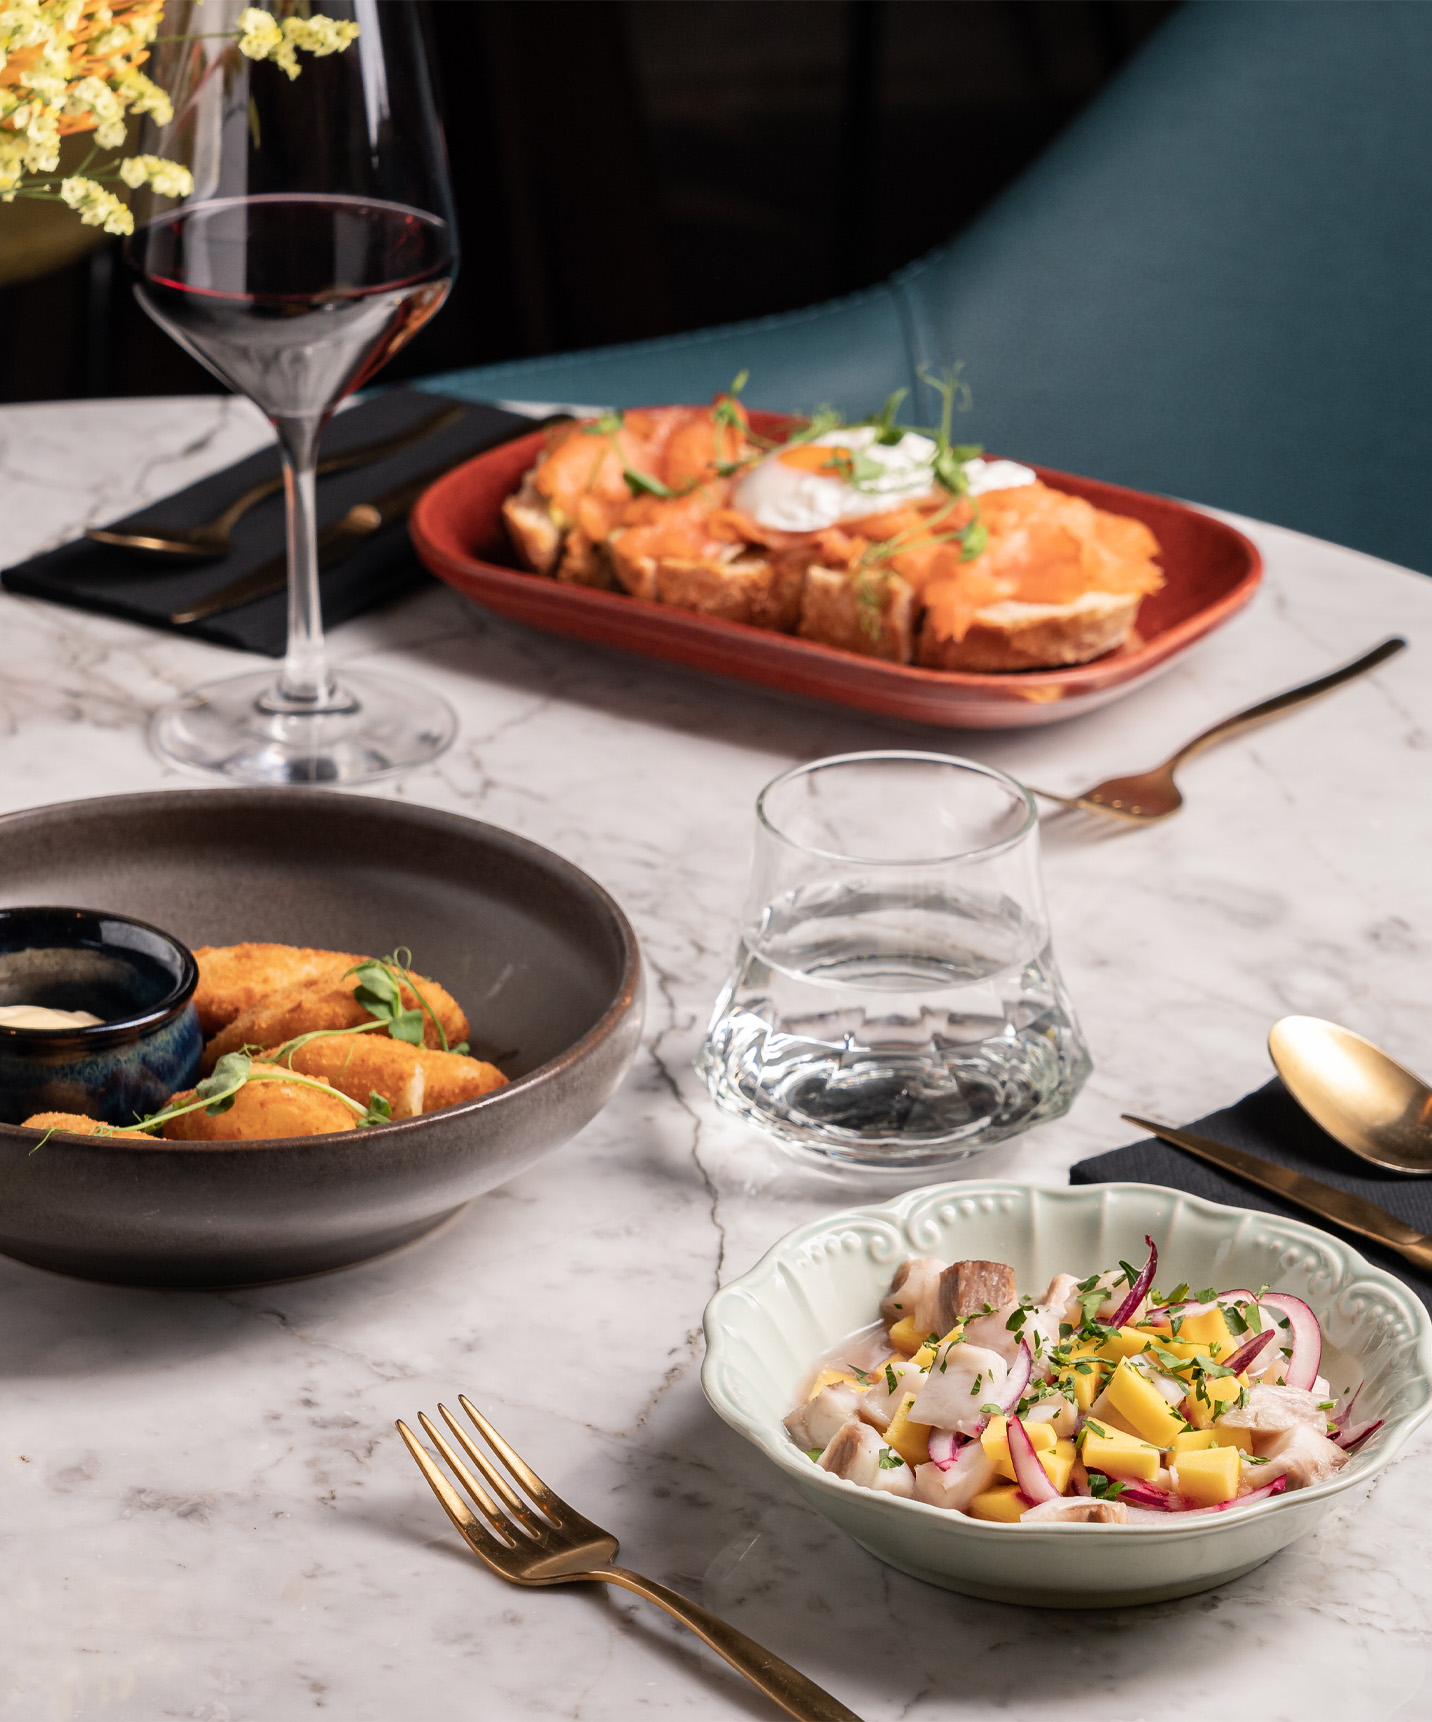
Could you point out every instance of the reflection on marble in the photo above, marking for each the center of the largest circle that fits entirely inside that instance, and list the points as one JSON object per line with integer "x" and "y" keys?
{"x": 204, "y": 1511}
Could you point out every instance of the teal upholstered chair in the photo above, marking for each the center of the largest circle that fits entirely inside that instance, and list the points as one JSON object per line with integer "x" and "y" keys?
{"x": 1218, "y": 283}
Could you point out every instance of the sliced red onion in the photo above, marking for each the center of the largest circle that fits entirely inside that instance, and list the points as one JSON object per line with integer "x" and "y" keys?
{"x": 1017, "y": 1380}
{"x": 1340, "y": 1421}
{"x": 1033, "y": 1479}
{"x": 1352, "y": 1439}
{"x": 1276, "y": 1487}
{"x": 1146, "y": 1495}
{"x": 943, "y": 1451}
{"x": 1307, "y": 1345}
{"x": 1139, "y": 1289}
{"x": 1249, "y": 1353}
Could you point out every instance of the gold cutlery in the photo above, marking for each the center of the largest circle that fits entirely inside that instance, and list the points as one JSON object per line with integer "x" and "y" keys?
{"x": 1344, "y": 1209}
{"x": 214, "y": 537}
{"x": 335, "y": 542}
{"x": 1360, "y": 1096}
{"x": 1149, "y": 796}
{"x": 535, "y": 1538}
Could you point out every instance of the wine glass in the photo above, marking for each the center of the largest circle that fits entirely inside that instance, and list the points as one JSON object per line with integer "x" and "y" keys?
{"x": 318, "y": 239}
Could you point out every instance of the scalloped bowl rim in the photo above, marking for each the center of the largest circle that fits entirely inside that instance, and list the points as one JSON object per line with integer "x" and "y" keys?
{"x": 772, "y": 1439}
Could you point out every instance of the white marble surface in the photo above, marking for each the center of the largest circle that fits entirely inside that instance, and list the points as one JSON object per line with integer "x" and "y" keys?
{"x": 204, "y": 1511}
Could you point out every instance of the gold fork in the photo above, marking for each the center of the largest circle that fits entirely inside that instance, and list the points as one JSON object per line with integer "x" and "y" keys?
{"x": 1149, "y": 796}
{"x": 540, "y": 1540}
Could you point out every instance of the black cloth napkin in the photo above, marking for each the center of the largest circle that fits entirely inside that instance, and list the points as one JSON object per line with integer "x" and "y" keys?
{"x": 149, "y": 588}
{"x": 1271, "y": 1124}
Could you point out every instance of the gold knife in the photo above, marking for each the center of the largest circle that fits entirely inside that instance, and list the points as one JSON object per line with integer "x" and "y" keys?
{"x": 335, "y": 542}
{"x": 1352, "y": 1213}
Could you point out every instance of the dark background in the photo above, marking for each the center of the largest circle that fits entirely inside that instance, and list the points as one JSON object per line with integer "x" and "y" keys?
{"x": 626, "y": 168}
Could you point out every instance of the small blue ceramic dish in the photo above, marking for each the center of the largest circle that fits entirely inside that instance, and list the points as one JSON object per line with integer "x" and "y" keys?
{"x": 138, "y": 980}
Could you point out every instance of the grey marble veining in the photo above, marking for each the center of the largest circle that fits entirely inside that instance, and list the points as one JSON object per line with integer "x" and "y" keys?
{"x": 204, "y": 1511}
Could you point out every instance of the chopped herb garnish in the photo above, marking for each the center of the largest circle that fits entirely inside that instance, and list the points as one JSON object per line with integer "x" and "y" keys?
{"x": 892, "y": 1384}
{"x": 992, "y": 1410}
{"x": 889, "y": 1460}
{"x": 1104, "y": 1488}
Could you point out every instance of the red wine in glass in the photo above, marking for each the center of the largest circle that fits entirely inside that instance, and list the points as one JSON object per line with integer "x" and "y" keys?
{"x": 291, "y": 299}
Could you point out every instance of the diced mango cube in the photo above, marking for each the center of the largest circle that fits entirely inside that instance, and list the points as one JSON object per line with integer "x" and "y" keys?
{"x": 928, "y": 1352}
{"x": 1194, "y": 1441}
{"x": 1210, "y": 1476}
{"x": 1221, "y": 1391}
{"x": 1204, "y": 1326}
{"x": 1059, "y": 1463}
{"x": 1002, "y": 1502}
{"x": 904, "y": 1336}
{"x": 1179, "y": 1347}
{"x": 1136, "y": 1398}
{"x": 1119, "y": 1455}
{"x": 1242, "y": 1439}
{"x": 1127, "y": 1342}
{"x": 995, "y": 1442}
{"x": 1087, "y": 1386}
{"x": 836, "y": 1378}
{"x": 910, "y": 1440}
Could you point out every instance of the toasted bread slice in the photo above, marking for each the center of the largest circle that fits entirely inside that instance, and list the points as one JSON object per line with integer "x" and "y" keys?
{"x": 585, "y": 562}
{"x": 1018, "y": 636}
{"x": 873, "y": 615}
{"x": 536, "y": 536}
{"x": 737, "y": 588}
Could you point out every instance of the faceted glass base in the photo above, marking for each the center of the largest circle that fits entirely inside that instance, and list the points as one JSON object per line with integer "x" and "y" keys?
{"x": 244, "y": 730}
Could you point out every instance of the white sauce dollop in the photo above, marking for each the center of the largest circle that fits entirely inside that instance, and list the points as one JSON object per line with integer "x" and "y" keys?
{"x": 793, "y": 499}
{"x": 39, "y": 1016}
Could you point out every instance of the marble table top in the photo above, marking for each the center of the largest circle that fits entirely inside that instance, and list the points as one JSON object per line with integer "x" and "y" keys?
{"x": 205, "y": 1512}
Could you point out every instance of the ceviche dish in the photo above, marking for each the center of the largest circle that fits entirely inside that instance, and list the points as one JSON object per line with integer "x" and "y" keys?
{"x": 1102, "y": 1401}
{"x": 873, "y": 537}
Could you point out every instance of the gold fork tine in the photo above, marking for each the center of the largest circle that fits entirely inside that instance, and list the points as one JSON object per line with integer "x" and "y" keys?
{"x": 453, "y": 1504}
{"x": 485, "y": 1503}
{"x": 540, "y": 1493}
{"x": 514, "y": 1502}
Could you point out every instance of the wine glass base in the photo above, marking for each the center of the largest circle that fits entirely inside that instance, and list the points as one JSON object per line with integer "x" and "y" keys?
{"x": 376, "y": 726}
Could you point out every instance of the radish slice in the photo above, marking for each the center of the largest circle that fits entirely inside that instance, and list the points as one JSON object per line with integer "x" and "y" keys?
{"x": 1353, "y": 1439}
{"x": 1137, "y": 1291}
{"x": 1249, "y": 1353}
{"x": 1307, "y": 1339}
{"x": 1276, "y": 1487}
{"x": 1033, "y": 1479}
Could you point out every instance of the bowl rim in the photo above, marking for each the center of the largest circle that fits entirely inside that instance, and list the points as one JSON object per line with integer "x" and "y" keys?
{"x": 773, "y": 1441}
{"x": 86, "y": 1037}
{"x": 627, "y": 992}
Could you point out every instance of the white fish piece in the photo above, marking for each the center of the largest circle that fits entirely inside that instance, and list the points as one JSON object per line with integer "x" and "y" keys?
{"x": 1270, "y": 1410}
{"x": 1059, "y": 1411}
{"x": 956, "y": 1487}
{"x": 1169, "y": 1386}
{"x": 961, "y": 1379}
{"x": 993, "y": 1332}
{"x": 1061, "y": 1298}
{"x": 1300, "y": 1454}
{"x": 878, "y": 1404}
{"x": 856, "y": 1452}
{"x": 915, "y": 1292}
{"x": 1077, "y": 1510}
{"x": 816, "y": 1422}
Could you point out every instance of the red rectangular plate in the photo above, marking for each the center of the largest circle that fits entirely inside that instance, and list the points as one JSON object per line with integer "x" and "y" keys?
{"x": 1210, "y": 572}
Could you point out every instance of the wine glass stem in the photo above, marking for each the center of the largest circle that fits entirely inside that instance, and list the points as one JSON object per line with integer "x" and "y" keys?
{"x": 304, "y": 682}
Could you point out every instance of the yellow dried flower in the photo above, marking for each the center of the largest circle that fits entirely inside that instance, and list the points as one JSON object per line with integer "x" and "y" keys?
{"x": 168, "y": 178}
{"x": 95, "y": 206}
{"x": 263, "y": 38}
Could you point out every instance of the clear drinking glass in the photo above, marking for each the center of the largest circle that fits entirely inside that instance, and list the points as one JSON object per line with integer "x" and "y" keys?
{"x": 895, "y": 1003}
{"x": 318, "y": 240}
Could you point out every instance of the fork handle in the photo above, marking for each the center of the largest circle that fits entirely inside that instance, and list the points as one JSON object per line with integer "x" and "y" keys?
{"x": 796, "y": 1695}
{"x": 1285, "y": 701}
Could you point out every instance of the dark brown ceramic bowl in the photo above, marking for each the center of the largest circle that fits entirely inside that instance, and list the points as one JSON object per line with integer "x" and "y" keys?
{"x": 540, "y": 956}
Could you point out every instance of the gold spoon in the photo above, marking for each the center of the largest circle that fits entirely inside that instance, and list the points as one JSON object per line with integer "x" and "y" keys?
{"x": 1361, "y": 1097}
{"x": 214, "y": 537}
{"x": 1153, "y": 795}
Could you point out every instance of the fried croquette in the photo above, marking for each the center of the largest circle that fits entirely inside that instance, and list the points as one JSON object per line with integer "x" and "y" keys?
{"x": 262, "y": 1110}
{"x": 76, "y": 1124}
{"x": 411, "y": 1079}
{"x": 233, "y": 978}
{"x": 296, "y": 1010}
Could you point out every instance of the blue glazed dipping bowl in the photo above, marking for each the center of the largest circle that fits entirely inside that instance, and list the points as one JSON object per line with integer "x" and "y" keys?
{"x": 136, "y": 978}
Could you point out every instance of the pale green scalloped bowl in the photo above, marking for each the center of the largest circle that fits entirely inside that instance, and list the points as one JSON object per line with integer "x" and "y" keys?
{"x": 766, "y": 1330}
